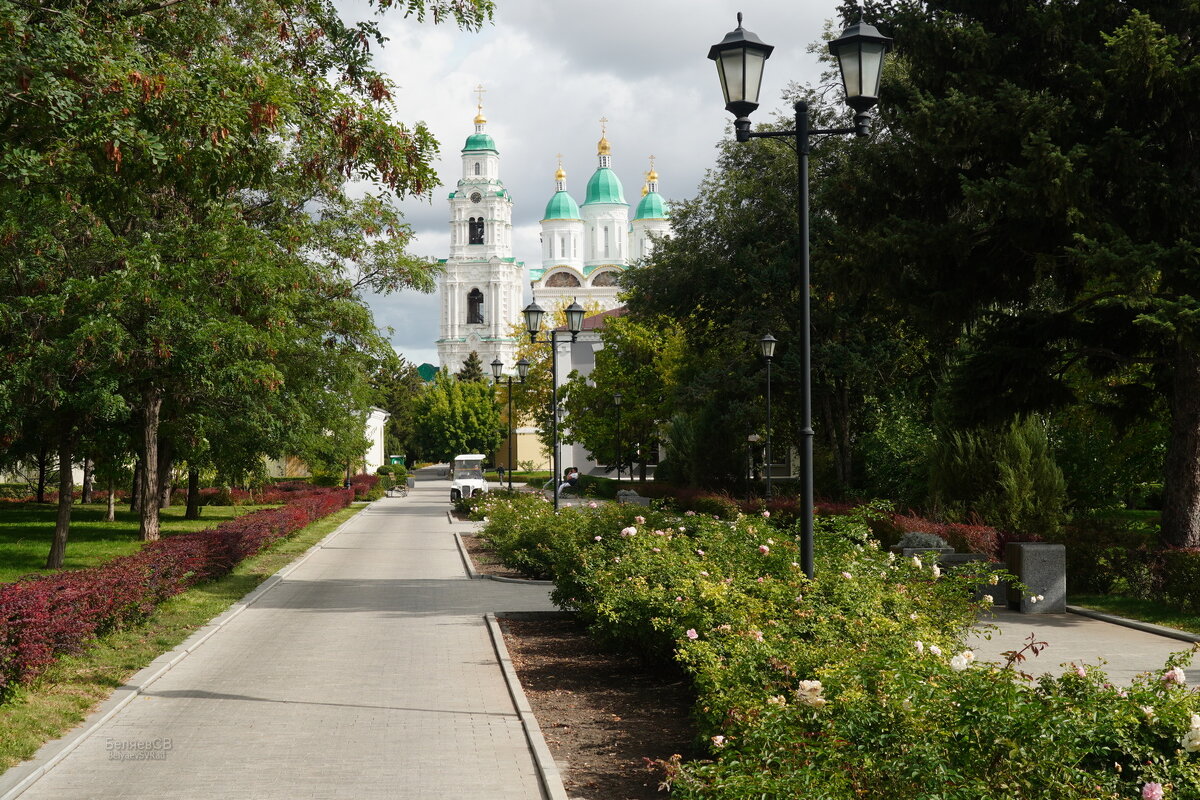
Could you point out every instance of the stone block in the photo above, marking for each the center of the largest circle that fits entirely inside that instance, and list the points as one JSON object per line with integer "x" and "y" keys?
{"x": 1042, "y": 568}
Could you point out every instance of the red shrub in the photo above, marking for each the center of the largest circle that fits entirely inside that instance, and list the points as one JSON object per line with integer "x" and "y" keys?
{"x": 44, "y": 617}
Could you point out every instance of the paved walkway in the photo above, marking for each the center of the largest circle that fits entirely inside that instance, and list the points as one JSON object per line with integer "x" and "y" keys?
{"x": 1122, "y": 652}
{"x": 368, "y": 672}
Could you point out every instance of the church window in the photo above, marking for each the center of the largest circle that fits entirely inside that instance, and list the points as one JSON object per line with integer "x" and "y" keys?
{"x": 606, "y": 241}
{"x": 550, "y": 244}
{"x": 477, "y": 168}
{"x": 608, "y": 277}
{"x": 562, "y": 246}
{"x": 475, "y": 307}
{"x": 562, "y": 279}
{"x": 476, "y": 230}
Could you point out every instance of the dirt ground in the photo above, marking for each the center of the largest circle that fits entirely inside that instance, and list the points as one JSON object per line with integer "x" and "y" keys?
{"x": 606, "y": 718}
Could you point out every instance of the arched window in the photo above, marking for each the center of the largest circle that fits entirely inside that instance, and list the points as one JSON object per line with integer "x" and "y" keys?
{"x": 476, "y": 230}
{"x": 477, "y": 168}
{"x": 606, "y": 241}
{"x": 608, "y": 277}
{"x": 551, "y": 245}
{"x": 475, "y": 307}
{"x": 562, "y": 279}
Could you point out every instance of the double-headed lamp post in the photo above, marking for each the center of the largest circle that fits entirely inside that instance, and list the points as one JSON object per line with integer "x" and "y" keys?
{"x": 767, "y": 345}
{"x": 497, "y": 373}
{"x": 533, "y": 314}
{"x": 740, "y": 57}
{"x": 617, "y": 403}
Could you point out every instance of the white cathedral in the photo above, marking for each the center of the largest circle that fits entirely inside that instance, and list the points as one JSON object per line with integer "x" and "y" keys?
{"x": 585, "y": 248}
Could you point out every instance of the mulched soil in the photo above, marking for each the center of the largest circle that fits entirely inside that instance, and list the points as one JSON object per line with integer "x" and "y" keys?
{"x": 606, "y": 717}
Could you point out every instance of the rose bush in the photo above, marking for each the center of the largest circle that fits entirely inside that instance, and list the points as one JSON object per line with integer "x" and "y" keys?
{"x": 854, "y": 684}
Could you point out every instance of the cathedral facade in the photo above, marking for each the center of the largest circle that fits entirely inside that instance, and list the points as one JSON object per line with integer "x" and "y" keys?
{"x": 585, "y": 249}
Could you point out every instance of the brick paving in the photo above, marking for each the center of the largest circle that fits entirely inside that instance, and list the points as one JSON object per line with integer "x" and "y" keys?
{"x": 367, "y": 672}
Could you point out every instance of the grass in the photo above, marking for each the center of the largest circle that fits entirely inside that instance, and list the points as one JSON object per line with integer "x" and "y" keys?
{"x": 64, "y": 695}
{"x": 27, "y": 528}
{"x": 1141, "y": 610}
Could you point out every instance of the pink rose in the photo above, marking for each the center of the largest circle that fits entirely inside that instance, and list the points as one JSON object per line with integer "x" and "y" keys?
{"x": 691, "y": 634}
{"x": 762, "y": 548}
{"x": 1152, "y": 791}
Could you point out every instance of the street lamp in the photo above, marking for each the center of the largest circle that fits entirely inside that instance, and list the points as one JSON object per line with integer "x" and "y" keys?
{"x": 740, "y": 56}
{"x": 533, "y": 314}
{"x": 767, "y": 345}
{"x": 497, "y": 373}
{"x": 617, "y": 403}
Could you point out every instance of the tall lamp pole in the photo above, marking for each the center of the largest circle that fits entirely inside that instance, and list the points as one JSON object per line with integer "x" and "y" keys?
{"x": 740, "y": 57}
{"x": 767, "y": 345}
{"x": 497, "y": 373}
{"x": 533, "y": 314}
{"x": 617, "y": 403}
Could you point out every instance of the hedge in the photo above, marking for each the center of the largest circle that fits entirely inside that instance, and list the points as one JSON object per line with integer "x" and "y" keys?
{"x": 43, "y": 617}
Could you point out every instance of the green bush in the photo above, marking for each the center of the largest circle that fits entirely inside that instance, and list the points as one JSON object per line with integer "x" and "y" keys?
{"x": 1177, "y": 579}
{"x": 1007, "y": 478}
{"x": 849, "y": 685}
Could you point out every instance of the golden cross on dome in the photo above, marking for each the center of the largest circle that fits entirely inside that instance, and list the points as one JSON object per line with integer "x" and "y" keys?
{"x": 652, "y": 163}
{"x": 603, "y": 127}
{"x": 480, "y": 90}
{"x": 559, "y": 157}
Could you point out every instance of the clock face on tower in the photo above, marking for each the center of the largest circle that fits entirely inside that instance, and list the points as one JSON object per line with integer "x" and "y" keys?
{"x": 476, "y": 197}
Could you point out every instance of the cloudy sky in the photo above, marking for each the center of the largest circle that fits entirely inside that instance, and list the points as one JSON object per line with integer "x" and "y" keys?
{"x": 552, "y": 69}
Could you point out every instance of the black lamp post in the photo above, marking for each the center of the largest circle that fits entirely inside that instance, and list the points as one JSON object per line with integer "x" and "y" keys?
{"x": 740, "y": 57}
{"x": 767, "y": 345}
{"x": 617, "y": 403}
{"x": 497, "y": 373}
{"x": 533, "y": 314}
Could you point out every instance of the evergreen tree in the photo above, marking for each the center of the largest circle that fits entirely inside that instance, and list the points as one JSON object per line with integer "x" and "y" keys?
{"x": 472, "y": 369}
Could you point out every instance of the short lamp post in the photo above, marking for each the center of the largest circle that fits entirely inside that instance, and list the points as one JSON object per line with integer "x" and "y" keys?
{"x": 767, "y": 345}
{"x": 533, "y": 314}
{"x": 497, "y": 373}
{"x": 617, "y": 403}
{"x": 740, "y": 57}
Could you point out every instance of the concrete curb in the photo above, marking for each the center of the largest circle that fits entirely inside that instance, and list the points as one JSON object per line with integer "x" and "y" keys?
{"x": 1137, "y": 625}
{"x": 473, "y": 575}
{"x": 16, "y": 780}
{"x": 548, "y": 774}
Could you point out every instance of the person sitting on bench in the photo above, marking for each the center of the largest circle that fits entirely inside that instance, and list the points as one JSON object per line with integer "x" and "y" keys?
{"x": 570, "y": 480}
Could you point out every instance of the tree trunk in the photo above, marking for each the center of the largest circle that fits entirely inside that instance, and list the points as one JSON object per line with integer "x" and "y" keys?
{"x": 62, "y": 523}
{"x": 134, "y": 492}
{"x": 193, "y": 494}
{"x": 85, "y": 494}
{"x": 1181, "y": 485}
{"x": 43, "y": 457}
{"x": 164, "y": 473}
{"x": 111, "y": 516}
{"x": 151, "y": 406}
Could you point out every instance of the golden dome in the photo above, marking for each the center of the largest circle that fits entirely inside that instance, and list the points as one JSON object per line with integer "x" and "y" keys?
{"x": 480, "y": 119}
{"x": 561, "y": 174}
{"x": 645, "y": 190}
{"x": 603, "y": 148}
{"x": 652, "y": 175}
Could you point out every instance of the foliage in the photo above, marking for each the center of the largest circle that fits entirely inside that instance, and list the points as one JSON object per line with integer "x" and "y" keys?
{"x": 1006, "y": 477}
{"x": 472, "y": 369}
{"x": 853, "y": 684}
{"x": 453, "y": 417}
{"x": 638, "y": 362}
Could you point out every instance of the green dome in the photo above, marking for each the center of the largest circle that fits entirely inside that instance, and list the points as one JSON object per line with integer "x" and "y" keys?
{"x": 604, "y": 187}
{"x": 562, "y": 206}
{"x": 651, "y": 207}
{"x": 479, "y": 141}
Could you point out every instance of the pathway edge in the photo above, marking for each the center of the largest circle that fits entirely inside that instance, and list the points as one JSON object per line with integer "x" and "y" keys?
{"x": 548, "y": 774}
{"x": 1138, "y": 625}
{"x": 16, "y": 780}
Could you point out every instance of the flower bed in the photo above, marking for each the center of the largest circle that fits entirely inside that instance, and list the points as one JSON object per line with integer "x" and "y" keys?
{"x": 47, "y": 616}
{"x": 854, "y": 684}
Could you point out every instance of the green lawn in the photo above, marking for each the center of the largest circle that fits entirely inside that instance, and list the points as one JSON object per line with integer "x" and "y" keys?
{"x": 1142, "y": 610}
{"x": 27, "y": 528}
{"x": 71, "y": 687}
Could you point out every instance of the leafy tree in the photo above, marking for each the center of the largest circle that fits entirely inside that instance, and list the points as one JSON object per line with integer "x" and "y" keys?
{"x": 398, "y": 384}
{"x": 172, "y": 184}
{"x": 1024, "y": 210}
{"x": 453, "y": 417}
{"x": 638, "y": 361}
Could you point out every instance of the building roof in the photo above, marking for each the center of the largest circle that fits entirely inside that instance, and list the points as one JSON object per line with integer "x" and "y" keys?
{"x": 651, "y": 207}
{"x": 480, "y": 141}
{"x": 562, "y": 206}
{"x": 604, "y": 187}
{"x": 427, "y": 371}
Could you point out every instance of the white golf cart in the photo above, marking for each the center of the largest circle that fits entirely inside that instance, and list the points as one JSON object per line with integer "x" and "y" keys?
{"x": 466, "y": 474}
